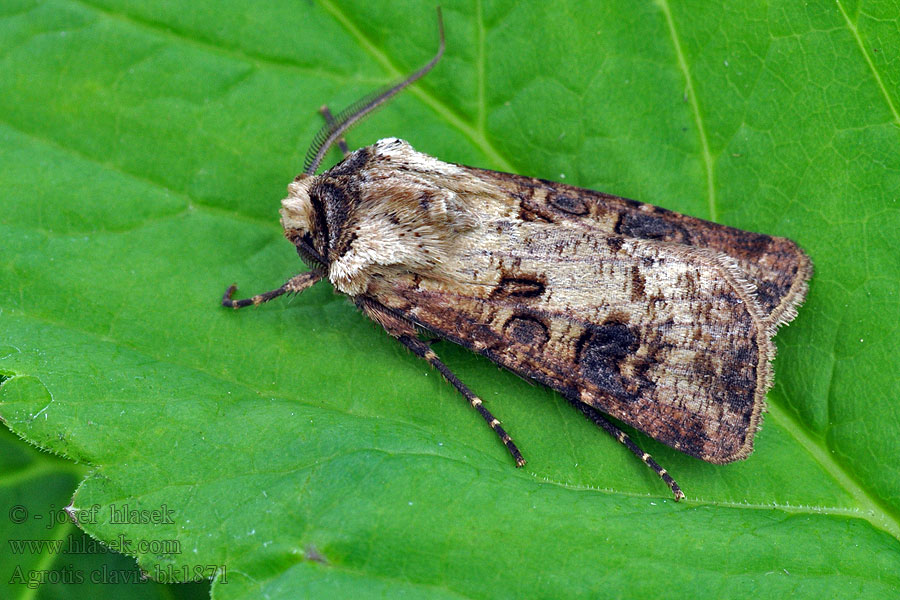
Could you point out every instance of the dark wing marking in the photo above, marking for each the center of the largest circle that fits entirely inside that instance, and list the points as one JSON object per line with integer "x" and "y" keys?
{"x": 776, "y": 266}
{"x": 664, "y": 337}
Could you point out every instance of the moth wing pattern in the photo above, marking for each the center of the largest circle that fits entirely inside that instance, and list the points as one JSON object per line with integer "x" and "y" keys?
{"x": 594, "y": 317}
{"x": 668, "y": 337}
{"x": 776, "y": 266}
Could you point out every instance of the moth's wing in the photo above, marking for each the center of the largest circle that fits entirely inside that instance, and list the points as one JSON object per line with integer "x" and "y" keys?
{"x": 776, "y": 266}
{"x": 664, "y": 337}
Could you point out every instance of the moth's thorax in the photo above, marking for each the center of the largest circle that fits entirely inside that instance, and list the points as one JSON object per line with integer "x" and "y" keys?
{"x": 384, "y": 207}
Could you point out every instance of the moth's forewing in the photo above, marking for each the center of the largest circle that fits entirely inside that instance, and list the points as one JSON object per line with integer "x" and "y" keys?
{"x": 775, "y": 265}
{"x": 663, "y": 337}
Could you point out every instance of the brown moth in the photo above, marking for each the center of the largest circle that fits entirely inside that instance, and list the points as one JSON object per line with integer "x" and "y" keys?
{"x": 660, "y": 320}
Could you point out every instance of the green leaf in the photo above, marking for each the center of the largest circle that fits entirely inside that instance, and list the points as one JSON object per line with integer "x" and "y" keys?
{"x": 44, "y": 550}
{"x": 295, "y": 450}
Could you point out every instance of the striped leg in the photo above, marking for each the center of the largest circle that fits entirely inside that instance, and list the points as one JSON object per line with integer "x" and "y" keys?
{"x": 329, "y": 119}
{"x": 598, "y": 419}
{"x": 295, "y": 285}
{"x": 421, "y": 349}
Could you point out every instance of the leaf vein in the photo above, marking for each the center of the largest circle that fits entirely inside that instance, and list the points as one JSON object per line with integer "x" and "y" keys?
{"x": 190, "y": 203}
{"x": 695, "y": 107}
{"x": 476, "y": 135}
{"x": 214, "y": 46}
{"x": 870, "y": 508}
{"x": 862, "y": 49}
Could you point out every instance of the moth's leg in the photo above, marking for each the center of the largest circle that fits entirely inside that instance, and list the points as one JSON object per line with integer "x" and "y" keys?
{"x": 329, "y": 119}
{"x": 598, "y": 419}
{"x": 422, "y": 350}
{"x": 295, "y": 284}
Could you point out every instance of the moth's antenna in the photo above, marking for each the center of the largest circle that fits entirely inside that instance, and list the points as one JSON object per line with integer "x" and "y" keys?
{"x": 354, "y": 113}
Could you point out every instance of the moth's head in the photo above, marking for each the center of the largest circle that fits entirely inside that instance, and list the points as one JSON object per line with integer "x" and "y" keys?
{"x": 317, "y": 208}
{"x": 299, "y": 217}
{"x": 317, "y": 214}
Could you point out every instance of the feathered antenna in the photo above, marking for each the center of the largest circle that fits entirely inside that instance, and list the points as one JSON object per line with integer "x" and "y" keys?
{"x": 353, "y": 114}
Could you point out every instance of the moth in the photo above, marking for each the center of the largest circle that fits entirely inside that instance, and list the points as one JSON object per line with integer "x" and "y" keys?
{"x": 660, "y": 320}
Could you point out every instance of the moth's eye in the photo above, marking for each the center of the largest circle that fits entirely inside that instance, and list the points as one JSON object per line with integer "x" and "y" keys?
{"x": 308, "y": 252}
{"x": 313, "y": 199}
